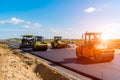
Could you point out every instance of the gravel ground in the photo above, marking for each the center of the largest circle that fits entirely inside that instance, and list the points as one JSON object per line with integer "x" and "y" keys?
{"x": 14, "y": 66}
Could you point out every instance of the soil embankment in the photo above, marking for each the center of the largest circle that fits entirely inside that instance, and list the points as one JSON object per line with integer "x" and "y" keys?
{"x": 14, "y": 66}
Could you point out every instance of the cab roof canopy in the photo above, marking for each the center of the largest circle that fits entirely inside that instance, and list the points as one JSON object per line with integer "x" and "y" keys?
{"x": 38, "y": 36}
{"x": 92, "y": 33}
{"x": 57, "y": 36}
{"x": 27, "y": 35}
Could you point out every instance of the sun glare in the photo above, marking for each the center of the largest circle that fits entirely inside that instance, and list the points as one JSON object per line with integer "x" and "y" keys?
{"x": 105, "y": 37}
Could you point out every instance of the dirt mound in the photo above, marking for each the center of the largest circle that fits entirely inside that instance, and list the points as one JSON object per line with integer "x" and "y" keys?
{"x": 14, "y": 66}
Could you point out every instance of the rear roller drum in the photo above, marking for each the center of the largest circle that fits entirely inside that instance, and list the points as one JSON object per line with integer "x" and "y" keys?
{"x": 79, "y": 54}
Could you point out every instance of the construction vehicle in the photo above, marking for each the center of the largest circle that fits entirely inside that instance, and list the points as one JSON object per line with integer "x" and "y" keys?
{"x": 58, "y": 43}
{"x": 39, "y": 43}
{"x": 26, "y": 41}
{"x": 93, "y": 48}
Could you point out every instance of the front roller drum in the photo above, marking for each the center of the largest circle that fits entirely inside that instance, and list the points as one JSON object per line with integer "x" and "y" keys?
{"x": 103, "y": 57}
{"x": 108, "y": 58}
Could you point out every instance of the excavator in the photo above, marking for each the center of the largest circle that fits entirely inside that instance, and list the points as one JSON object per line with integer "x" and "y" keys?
{"x": 94, "y": 48}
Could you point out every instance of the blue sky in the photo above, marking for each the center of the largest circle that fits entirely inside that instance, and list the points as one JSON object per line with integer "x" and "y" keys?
{"x": 68, "y": 18}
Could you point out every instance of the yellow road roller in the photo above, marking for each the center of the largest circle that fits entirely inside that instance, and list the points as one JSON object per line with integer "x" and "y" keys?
{"x": 39, "y": 43}
{"x": 58, "y": 43}
{"x": 93, "y": 48}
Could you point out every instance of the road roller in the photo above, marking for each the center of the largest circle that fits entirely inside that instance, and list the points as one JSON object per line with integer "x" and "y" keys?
{"x": 39, "y": 44}
{"x": 94, "y": 48}
{"x": 58, "y": 43}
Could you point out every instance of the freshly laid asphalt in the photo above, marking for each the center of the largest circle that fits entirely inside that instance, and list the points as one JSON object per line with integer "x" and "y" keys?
{"x": 67, "y": 58}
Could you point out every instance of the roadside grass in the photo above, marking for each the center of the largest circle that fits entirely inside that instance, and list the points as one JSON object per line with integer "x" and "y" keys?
{"x": 113, "y": 43}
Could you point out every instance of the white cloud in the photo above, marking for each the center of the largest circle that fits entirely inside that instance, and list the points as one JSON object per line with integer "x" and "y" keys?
{"x": 16, "y": 21}
{"x": 2, "y": 22}
{"x": 28, "y": 22}
{"x": 25, "y": 24}
{"x": 36, "y": 25}
{"x": 32, "y": 26}
{"x": 89, "y": 10}
{"x": 13, "y": 20}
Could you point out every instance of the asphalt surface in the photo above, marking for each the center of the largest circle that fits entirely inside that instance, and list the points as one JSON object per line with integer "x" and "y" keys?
{"x": 67, "y": 58}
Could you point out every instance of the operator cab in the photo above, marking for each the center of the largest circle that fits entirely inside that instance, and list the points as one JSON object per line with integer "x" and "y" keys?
{"x": 57, "y": 38}
{"x": 27, "y": 37}
{"x": 39, "y": 38}
{"x": 92, "y": 38}
{"x": 27, "y": 41}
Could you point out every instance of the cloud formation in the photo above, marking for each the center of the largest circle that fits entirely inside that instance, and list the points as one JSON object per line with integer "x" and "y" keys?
{"x": 13, "y": 20}
{"x": 32, "y": 26}
{"x": 89, "y": 10}
{"x": 25, "y": 24}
